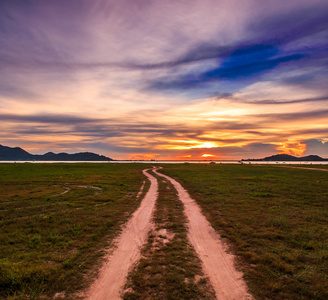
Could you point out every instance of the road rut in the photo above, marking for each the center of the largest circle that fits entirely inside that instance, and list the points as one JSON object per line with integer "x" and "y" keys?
{"x": 217, "y": 263}
{"x": 113, "y": 274}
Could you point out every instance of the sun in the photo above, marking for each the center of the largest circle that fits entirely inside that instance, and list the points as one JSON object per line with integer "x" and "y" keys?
{"x": 207, "y": 155}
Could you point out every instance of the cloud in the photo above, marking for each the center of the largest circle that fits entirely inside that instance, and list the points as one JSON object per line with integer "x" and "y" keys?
{"x": 316, "y": 147}
{"x": 58, "y": 37}
{"x": 293, "y": 24}
{"x": 295, "y": 116}
{"x": 270, "y": 42}
{"x": 285, "y": 101}
{"x": 230, "y": 70}
{"x": 251, "y": 150}
{"x": 47, "y": 118}
{"x": 148, "y": 76}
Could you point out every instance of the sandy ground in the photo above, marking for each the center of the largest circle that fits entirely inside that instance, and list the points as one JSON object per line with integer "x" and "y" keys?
{"x": 113, "y": 274}
{"x": 218, "y": 264}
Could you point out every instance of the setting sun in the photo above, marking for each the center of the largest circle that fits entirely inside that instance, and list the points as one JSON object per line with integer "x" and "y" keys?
{"x": 208, "y": 155}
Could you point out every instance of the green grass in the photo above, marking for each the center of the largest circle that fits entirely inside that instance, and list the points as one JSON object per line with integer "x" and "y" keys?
{"x": 50, "y": 240}
{"x": 169, "y": 267}
{"x": 275, "y": 219}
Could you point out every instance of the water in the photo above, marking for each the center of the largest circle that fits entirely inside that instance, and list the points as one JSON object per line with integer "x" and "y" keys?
{"x": 182, "y": 162}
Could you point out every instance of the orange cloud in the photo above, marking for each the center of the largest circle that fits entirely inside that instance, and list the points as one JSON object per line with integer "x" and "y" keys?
{"x": 292, "y": 148}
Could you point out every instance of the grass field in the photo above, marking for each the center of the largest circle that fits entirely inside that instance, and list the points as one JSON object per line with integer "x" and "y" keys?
{"x": 55, "y": 221}
{"x": 275, "y": 219}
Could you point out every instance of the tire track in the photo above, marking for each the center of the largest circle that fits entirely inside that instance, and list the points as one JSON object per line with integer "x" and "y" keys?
{"x": 113, "y": 274}
{"x": 218, "y": 264}
{"x": 304, "y": 168}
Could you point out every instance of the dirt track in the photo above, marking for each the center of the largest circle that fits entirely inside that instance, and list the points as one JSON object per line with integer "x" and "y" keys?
{"x": 218, "y": 264}
{"x": 134, "y": 235}
{"x": 305, "y": 168}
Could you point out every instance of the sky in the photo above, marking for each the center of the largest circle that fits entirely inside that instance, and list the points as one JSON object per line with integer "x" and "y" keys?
{"x": 163, "y": 79}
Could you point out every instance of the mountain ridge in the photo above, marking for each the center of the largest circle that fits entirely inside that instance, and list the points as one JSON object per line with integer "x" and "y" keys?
{"x": 19, "y": 154}
{"x": 287, "y": 157}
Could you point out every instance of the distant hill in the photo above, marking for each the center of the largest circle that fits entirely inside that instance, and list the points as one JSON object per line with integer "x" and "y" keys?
{"x": 19, "y": 154}
{"x": 287, "y": 157}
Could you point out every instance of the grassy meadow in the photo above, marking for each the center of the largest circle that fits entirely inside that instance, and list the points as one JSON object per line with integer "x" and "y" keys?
{"x": 56, "y": 219}
{"x": 274, "y": 218}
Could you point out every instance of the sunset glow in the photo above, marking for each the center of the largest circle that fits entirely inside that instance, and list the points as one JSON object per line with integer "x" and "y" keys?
{"x": 203, "y": 145}
{"x": 208, "y": 155}
{"x": 165, "y": 79}
{"x": 297, "y": 148}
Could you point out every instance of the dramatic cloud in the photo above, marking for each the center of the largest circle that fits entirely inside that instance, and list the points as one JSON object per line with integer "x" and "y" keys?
{"x": 166, "y": 79}
{"x": 315, "y": 146}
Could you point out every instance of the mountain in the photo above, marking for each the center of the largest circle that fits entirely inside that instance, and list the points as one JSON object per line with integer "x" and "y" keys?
{"x": 281, "y": 157}
{"x": 312, "y": 158}
{"x": 287, "y": 157}
{"x": 8, "y": 153}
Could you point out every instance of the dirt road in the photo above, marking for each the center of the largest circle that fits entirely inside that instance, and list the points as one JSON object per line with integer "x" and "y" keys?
{"x": 305, "y": 168}
{"x": 113, "y": 274}
{"x": 218, "y": 264}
